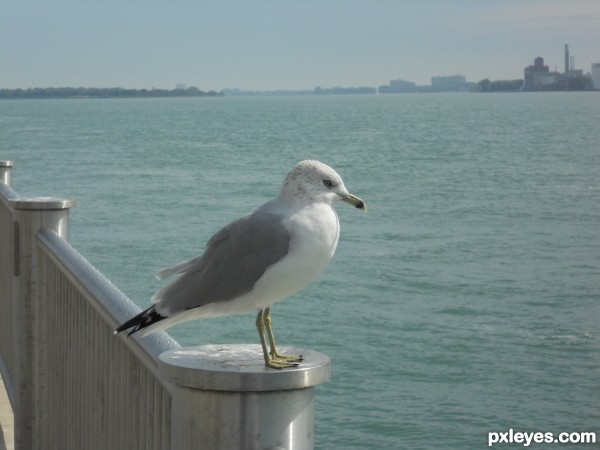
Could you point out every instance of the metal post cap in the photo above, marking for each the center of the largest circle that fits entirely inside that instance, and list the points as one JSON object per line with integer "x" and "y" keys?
{"x": 241, "y": 368}
{"x": 42, "y": 203}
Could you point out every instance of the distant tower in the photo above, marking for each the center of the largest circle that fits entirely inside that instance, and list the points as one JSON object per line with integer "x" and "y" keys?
{"x": 596, "y": 76}
{"x": 538, "y": 63}
{"x": 566, "y": 59}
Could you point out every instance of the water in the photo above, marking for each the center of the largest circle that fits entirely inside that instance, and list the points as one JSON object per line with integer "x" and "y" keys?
{"x": 466, "y": 301}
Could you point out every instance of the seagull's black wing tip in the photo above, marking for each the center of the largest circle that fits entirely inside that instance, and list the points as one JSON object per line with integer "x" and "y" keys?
{"x": 139, "y": 322}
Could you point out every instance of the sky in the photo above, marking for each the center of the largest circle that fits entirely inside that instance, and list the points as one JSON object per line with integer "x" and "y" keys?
{"x": 284, "y": 44}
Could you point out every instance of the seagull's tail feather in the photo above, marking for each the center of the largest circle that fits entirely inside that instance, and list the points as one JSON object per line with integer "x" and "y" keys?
{"x": 142, "y": 320}
{"x": 177, "y": 268}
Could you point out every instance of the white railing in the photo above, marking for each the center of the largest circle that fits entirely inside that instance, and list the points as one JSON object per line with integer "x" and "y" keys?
{"x": 74, "y": 385}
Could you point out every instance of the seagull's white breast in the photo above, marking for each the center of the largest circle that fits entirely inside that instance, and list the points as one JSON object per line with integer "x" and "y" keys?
{"x": 315, "y": 231}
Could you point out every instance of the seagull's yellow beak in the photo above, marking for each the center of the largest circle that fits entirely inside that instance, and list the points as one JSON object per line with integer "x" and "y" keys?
{"x": 355, "y": 201}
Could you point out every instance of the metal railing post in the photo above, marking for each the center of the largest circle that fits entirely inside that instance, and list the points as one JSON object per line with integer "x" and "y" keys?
{"x": 224, "y": 397}
{"x": 6, "y": 275}
{"x": 30, "y": 215}
{"x": 6, "y": 172}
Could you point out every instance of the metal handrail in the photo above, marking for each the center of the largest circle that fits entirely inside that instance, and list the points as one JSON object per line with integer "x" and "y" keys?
{"x": 114, "y": 306}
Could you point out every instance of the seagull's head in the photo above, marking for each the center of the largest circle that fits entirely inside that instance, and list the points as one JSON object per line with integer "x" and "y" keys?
{"x": 313, "y": 181}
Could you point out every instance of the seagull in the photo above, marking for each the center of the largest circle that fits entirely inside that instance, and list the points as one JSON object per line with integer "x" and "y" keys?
{"x": 257, "y": 260}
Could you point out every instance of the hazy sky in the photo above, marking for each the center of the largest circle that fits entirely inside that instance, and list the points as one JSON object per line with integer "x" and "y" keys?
{"x": 280, "y": 44}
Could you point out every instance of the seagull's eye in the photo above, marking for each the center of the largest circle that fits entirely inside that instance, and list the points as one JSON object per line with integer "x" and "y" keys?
{"x": 328, "y": 183}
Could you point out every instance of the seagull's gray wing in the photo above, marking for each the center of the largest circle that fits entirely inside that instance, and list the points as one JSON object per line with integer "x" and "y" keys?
{"x": 235, "y": 259}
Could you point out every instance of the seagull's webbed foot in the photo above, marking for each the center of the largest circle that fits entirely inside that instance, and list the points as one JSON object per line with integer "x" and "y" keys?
{"x": 283, "y": 357}
{"x": 273, "y": 358}
{"x": 278, "y": 364}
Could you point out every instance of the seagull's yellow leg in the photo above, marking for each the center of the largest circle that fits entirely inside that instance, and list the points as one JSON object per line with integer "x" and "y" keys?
{"x": 270, "y": 361}
{"x": 274, "y": 353}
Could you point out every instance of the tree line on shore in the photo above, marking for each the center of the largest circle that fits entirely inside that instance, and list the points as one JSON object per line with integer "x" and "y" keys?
{"x": 81, "y": 92}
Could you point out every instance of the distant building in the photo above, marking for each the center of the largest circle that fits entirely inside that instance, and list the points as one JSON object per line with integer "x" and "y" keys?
{"x": 543, "y": 80}
{"x": 454, "y": 83}
{"x": 402, "y": 86}
{"x": 539, "y": 78}
{"x": 180, "y": 87}
{"x": 398, "y": 86}
{"x": 449, "y": 83}
{"x": 538, "y": 75}
{"x": 596, "y": 76}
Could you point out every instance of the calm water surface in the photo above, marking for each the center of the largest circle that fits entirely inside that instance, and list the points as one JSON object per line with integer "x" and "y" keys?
{"x": 466, "y": 301}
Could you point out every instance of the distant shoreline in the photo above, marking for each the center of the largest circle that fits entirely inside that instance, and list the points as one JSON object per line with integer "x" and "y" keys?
{"x": 112, "y": 93}
{"x": 87, "y": 93}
